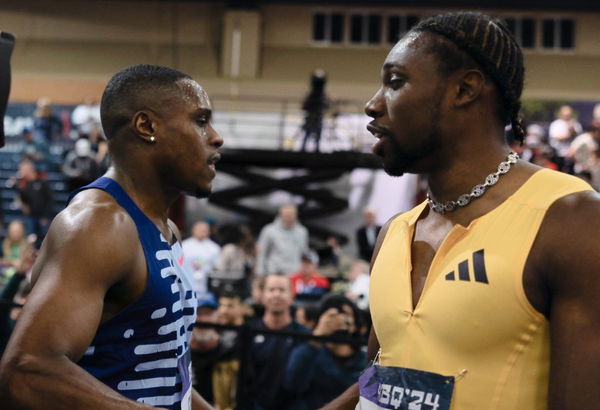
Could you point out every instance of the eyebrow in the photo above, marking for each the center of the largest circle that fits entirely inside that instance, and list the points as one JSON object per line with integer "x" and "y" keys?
{"x": 203, "y": 111}
{"x": 389, "y": 65}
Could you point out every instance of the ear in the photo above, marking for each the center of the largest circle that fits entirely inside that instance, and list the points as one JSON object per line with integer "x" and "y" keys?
{"x": 469, "y": 87}
{"x": 144, "y": 125}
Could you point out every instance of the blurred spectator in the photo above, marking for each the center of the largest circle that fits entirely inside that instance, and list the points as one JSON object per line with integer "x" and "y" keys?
{"x": 16, "y": 290}
{"x": 36, "y": 200}
{"x": 35, "y": 149}
{"x": 533, "y": 140}
{"x": 582, "y": 148}
{"x": 307, "y": 283}
{"x": 254, "y": 304}
{"x": 319, "y": 372}
{"x": 205, "y": 347}
{"x": 333, "y": 260}
{"x": 200, "y": 255}
{"x": 281, "y": 243}
{"x": 315, "y": 104}
{"x": 544, "y": 156}
{"x": 595, "y": 169}
{"x": 236, "y": 261}
{"x": 359, "y": 279}
{"x": 46, "y": 125}
{"x": 366, "y": 235}
{"x": 270, "y": 353}
{"x": 563, "y": 129}
{"x": 99, "y": 147}
{"x": 307, "y": 315}
{"x": 14, "y": 243}
{"x": 80, "y": 165}
{"x": 86, "y": 116}
{"x": 226, "y": 370}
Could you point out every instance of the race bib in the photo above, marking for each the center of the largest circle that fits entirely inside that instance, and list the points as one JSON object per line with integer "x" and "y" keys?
{"x": 384, "y": 387}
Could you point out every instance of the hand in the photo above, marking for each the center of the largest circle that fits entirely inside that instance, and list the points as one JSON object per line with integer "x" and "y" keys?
{"x": 331, "y": 321}
{"x": 28, "y": 256}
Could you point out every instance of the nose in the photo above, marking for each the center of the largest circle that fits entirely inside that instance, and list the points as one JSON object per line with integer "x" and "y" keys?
{"x": 214, "y": 139}
{"x": 374, "y": 107}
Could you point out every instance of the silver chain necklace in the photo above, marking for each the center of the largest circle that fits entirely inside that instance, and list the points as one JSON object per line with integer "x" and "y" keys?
{"x": 477, "y": 191}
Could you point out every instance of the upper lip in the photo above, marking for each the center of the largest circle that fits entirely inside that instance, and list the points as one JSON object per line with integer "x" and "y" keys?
{"x": 377, "y": 130}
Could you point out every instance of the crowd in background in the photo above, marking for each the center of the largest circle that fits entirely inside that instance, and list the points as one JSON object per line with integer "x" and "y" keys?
{"x": 274, "y": 282}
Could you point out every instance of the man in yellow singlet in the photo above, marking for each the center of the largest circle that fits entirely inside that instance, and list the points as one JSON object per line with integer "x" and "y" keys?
{"x": 485, "y": 296}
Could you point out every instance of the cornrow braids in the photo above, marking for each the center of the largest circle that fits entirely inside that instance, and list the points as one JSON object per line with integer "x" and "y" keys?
{"x": 491, "y": 45}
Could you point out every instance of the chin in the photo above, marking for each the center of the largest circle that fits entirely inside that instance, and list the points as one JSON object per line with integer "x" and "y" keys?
{"x": 394, "y": 169}
{"x": 202, "y": 192}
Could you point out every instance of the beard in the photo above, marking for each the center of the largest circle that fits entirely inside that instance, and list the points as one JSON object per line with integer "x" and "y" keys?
{"x": 403, "y": 158}
{"x": 201, "y": 193}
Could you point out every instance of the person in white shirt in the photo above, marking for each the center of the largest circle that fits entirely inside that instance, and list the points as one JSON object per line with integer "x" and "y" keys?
{"x": 359, "y": 279}
{"x": 563, "y": 130}
{"x": 583, "y": 148}
{"x": 201, "y": 254}
{"x": 86, "y": 116}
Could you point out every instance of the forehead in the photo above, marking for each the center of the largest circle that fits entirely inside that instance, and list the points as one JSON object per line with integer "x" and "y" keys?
{"x": 193, "y": 95}
{"x": 410, "y": 53}
{"x": 277, "y": 282}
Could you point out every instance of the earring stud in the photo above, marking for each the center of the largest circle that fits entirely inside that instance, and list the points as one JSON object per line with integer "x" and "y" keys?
{"x": 152, "y": 139}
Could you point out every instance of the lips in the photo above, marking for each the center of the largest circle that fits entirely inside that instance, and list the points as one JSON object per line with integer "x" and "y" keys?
{"x": 212, "y": 160}
{"x": 377, "y": 131}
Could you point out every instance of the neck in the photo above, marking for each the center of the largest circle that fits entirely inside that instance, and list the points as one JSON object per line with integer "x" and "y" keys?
{"x": 146, "y": 189}
{"x": 277, "y": 320}
{"x": 466, "y": 164}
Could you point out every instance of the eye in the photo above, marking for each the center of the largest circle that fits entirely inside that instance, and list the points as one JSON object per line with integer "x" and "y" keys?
{"x": 202, "y": 121}
{"x": 396, "y": 82}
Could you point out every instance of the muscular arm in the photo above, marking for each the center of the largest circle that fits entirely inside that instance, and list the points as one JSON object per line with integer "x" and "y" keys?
{"x": 198, "y": 403}
{"x": 90, "y": 248}
{"x": 569, "y": 260}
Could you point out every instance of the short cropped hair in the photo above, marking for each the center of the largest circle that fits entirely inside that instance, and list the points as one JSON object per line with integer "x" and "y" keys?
{"x": 130, "y": 89}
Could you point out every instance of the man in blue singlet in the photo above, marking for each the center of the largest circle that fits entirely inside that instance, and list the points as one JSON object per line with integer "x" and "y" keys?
{"x": 109, "y": 319}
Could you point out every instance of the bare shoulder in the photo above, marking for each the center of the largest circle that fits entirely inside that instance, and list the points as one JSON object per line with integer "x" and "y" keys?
{"x": 93, "y": 231}
{"x": 568, "y": 243}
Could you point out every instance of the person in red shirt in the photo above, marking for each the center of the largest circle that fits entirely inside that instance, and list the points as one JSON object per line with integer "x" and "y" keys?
{"x": 307, "y": 283}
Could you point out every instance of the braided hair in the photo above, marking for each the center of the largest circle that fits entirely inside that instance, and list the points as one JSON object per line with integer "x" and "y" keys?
{"x": 490, "y": 44}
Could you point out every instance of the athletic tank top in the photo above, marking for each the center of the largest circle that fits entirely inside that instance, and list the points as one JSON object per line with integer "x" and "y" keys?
{"x": 143, "y": 352}
{"x": 473, "y": 319}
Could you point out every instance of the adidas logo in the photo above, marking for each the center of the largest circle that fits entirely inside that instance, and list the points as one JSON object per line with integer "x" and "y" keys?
{"x": 480, "y": 274}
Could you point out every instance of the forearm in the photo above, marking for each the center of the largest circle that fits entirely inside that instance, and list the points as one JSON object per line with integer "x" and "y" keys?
{"x": 346, "y": 401}
{"x": 30, "y": 382}
{"x": 198, "y": 403}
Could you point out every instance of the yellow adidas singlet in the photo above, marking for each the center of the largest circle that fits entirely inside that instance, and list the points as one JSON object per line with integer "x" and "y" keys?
{"x": 473, "y": 317}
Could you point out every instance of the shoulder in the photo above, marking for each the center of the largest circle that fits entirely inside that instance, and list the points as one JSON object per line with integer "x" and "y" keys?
{"x": 567, "y": 241}
{"x": 576, "y": 213}
{"x": 297, "y": 327}
{"x": 92, "y": 231}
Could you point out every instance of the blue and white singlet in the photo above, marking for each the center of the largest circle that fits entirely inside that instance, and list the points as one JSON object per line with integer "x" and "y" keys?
{"x": 143, "y": 352}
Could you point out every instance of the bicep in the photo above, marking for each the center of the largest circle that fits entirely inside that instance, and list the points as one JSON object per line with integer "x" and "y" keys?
{"x": 572, "y": 275}
{"x": 75, "y": 269}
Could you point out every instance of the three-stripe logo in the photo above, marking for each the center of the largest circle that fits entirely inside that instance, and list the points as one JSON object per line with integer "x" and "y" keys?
{"x": 478, "y": 268}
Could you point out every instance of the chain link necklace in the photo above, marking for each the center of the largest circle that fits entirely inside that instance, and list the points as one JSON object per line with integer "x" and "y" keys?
{"x": 477, "y": 191}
